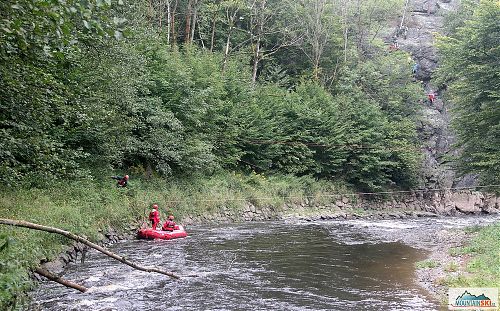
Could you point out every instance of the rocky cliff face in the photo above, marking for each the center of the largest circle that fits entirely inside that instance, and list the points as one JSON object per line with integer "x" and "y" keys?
{"x": 423, "y": 19}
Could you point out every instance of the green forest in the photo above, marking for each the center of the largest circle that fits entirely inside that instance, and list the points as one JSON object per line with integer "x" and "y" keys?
{"x": 210, "y": 86}
{"x": 292, "y": 96}
{"x": 170, "y": 88}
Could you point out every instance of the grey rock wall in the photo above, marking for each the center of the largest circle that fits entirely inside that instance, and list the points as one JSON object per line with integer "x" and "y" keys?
{"x": 416, "y": 204}
{"x": 423, "y": 20}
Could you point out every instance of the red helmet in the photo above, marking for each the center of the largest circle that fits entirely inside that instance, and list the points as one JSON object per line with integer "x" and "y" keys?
{"x": 155, "y": 206}
{"x": 126, "y": 177}
{"x": 171, "y": 217}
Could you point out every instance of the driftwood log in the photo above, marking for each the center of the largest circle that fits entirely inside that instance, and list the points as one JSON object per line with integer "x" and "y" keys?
{"x": 60, "y": 280}
{"x": 69, "y": 235}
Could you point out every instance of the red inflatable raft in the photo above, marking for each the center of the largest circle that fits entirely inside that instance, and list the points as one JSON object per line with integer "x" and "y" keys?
{"x": 149, "y": 233}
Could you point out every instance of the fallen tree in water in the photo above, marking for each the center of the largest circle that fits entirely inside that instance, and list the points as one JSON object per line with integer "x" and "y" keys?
{"x": 72, "y": 236}
{"x": 60, "y": 280}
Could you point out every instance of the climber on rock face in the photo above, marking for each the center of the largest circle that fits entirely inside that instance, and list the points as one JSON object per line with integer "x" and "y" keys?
{"x": 394, "y": 46}
{"x": 431, "y": 96}
{"x": 415, "y": 68}
{"x": 403, "y": 31}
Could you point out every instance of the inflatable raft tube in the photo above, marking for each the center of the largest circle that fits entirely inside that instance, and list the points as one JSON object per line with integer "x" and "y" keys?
{"x": 149, "y": 233}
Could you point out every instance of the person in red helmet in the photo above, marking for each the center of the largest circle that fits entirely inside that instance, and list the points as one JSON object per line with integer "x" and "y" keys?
{"x": 154, "y": 216}
{"x": 122, "y": 180}
{"x": 169, "y": 225}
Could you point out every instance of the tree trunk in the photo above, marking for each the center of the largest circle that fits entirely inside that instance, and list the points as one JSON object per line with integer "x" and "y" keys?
{"x": 161, "y": 16}
{"x": 25, "y": 224}
{"x": 256, "y": 60}
{"x": 150, "y": 12}
{"x": 346, "y": 29}
{"x": 360, "y": 27}
{"x": 231, "y": 18}
{"x": 202, "y": 41}
{"x": 319, "y": 35}
{"x": 195, "y": 17}
{"x": 260, "y": 11}
{"x": 60, "y": 280}
{"x": 169, "y": 21}
{"x": 226, "y": 50}
{"x": 172, "y": 19}
{"x": 404, "y": 14}
{"x": 187, "y": 30}
{"x": 212, "y": 38}
{"x": 316, "y": 69}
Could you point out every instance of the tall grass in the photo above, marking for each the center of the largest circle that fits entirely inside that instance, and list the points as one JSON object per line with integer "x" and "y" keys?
{"x": 89, "y": 207}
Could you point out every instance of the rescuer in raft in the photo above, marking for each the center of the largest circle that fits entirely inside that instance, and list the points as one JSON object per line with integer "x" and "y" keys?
{"x": 169, "y": 225}
{"x": 122, "y": 180}
{"x": 154, "y": 216}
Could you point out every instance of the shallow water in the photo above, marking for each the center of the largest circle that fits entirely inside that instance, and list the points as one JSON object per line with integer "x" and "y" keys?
{"x": 331, "y": 265}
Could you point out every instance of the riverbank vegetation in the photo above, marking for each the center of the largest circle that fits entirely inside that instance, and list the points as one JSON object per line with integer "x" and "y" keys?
{"x": 482, "y": 264}
{"x": 92, "y": 207}
{"x": 466, "y": 257}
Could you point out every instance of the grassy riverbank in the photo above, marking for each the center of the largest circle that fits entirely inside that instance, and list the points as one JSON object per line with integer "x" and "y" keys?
{"x": 482, "y": 260}
{"x": 462, "y": 258}
{"x": 93, "y": 206}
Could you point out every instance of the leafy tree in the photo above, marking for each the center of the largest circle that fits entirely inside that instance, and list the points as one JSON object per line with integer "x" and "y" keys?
{"x": 37, "y": 42}
{"x": 470, "y": 68}
{"x": 456, "y": 19}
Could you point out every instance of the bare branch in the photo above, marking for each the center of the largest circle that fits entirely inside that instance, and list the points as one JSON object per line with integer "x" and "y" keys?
{"x": 29, "y": 225}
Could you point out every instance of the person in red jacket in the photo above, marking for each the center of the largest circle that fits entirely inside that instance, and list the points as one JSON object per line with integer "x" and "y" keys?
{"x": 122, "y": 180}
{"x": 169, "y": 225}
{"x": 154, "y": 216}
{"x": 432, "y": 97}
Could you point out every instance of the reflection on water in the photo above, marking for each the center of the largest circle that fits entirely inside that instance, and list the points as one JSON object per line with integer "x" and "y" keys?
{"x": 251, "y": 266}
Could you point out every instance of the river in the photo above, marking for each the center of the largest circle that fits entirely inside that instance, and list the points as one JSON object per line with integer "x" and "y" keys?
{"x": 287, "y": 265}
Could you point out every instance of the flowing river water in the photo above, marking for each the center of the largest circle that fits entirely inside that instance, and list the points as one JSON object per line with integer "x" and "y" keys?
{"x": 287, "y": 265}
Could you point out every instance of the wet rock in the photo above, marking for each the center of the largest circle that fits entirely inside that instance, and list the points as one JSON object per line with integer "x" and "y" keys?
{"x": 37, "y": 277}
{"x": 71, "y": 255}
{"x": 467, "y": 203}
{"x": 491, "y": 204}
{"x": 64, "y": 258}
{"x": 56, "y": 266}
{"x": 426, "y": 214}
{"x": 79, "y": 247}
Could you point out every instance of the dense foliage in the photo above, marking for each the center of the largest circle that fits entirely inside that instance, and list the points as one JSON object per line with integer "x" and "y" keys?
{"x": 172, "y": 88}
{"x": 471, "y": 70}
